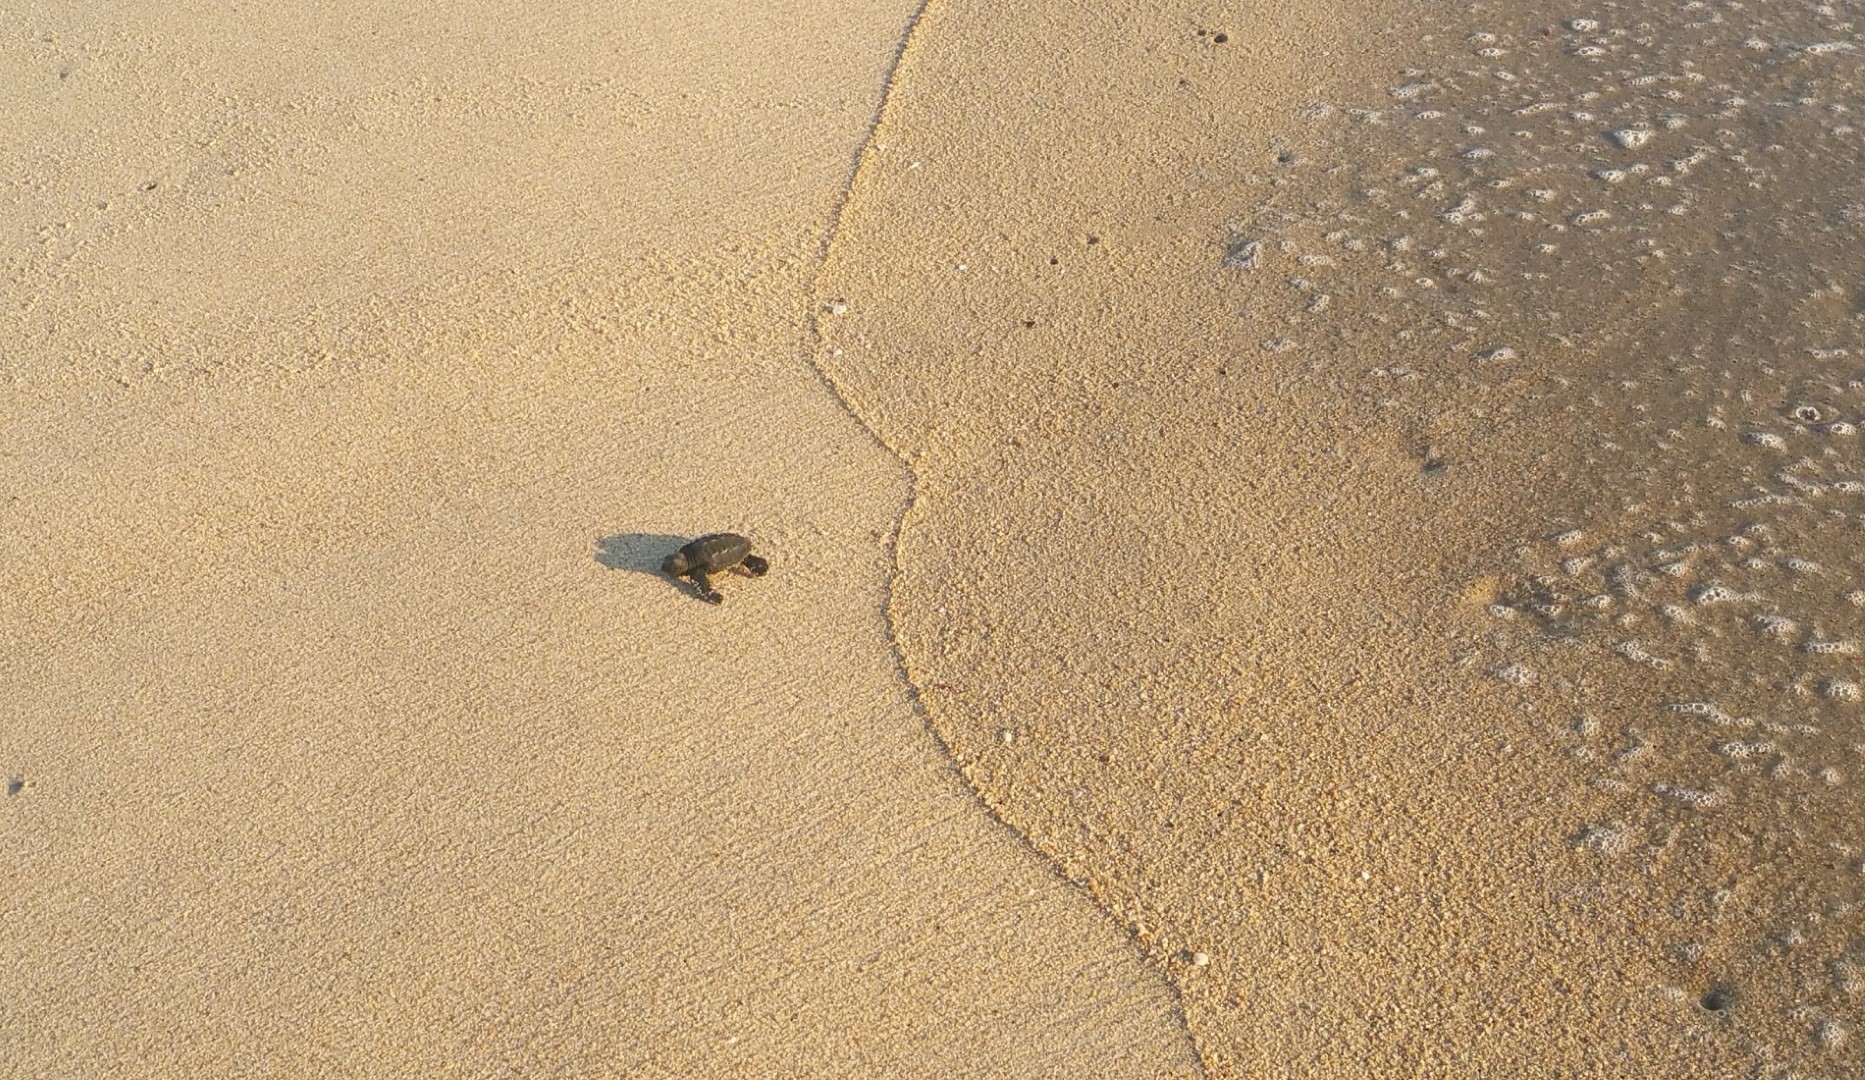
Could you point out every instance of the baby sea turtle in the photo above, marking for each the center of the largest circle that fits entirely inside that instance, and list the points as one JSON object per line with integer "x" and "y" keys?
{"x": 711, "y": 554}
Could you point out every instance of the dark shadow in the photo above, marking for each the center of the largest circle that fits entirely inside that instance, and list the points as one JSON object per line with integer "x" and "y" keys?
{"x": 643, "y": 553}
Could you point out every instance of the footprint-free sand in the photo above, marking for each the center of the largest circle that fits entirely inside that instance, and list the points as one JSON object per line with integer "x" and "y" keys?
{"x": 361, "y": 367}
{"x": 1306, "y": 542}
{"x": 1388, "y": 511}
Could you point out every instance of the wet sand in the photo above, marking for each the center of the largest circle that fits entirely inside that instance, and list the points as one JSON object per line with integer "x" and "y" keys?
{"x": 1347, "y": 484}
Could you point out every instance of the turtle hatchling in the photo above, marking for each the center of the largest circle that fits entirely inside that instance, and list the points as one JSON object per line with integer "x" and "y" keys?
{"x": 714, "y": 553}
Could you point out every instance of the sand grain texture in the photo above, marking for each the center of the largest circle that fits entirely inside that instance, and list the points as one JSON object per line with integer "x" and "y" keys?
{"x": 360, "y": 366}
{"x": 1245, "y": 383}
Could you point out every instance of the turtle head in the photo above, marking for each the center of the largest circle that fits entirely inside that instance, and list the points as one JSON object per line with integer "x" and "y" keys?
{"x": 675, "y": 564}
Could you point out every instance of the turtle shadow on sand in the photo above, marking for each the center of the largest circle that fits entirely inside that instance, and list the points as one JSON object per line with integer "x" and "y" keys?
{"x": 643, "y": 553}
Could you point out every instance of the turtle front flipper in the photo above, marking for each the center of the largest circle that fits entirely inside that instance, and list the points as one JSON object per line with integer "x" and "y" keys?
{"x": 706, "y": 592}
{"x": 754, "y": 566}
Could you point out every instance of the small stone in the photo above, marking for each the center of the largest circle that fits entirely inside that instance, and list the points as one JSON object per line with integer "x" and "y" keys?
{"x": 1201, "y": 959}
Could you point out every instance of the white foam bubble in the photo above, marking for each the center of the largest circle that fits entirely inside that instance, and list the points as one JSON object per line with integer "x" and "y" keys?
{"x": 1690, "y": 796}
{"x": 1246, "y": 255}
{"x": 1778, "y": 625}
{"x": 1515, "y": 674}
{"x": 1634, "y": 651}
{"x": 1463, "y": 211}
{"x": 1741, "y": 751}
{"x": 1832, "y": 648}
{"x": 1607, "y": 837}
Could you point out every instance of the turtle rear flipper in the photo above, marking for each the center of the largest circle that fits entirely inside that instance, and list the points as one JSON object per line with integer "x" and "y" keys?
{"x": 754, "y": 566}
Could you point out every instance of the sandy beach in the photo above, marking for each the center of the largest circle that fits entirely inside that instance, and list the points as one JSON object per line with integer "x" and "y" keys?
{"x": 1305, "y": 542}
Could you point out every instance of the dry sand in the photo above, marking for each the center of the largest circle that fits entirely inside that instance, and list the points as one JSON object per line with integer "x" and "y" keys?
{"x": 1379, "y": 508}
{"x": 361, "y": 364}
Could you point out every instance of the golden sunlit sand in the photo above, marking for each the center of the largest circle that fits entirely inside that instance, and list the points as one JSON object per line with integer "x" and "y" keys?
{"x": 1308, "y": 540}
